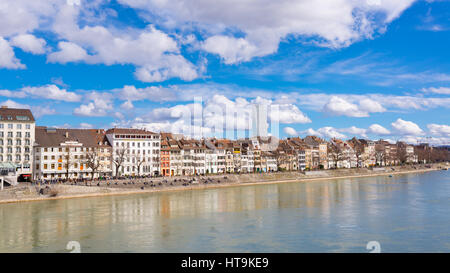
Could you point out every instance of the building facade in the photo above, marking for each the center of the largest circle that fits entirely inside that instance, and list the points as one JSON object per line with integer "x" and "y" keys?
{"x": 135, "y": 151}
{"x": 17, "y": 136}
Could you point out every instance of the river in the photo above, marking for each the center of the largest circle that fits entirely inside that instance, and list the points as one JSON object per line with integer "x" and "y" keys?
{"x": 405, "y": 213}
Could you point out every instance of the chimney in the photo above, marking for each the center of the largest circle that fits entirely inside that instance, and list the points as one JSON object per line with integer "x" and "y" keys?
{"x": 67, "y": 134}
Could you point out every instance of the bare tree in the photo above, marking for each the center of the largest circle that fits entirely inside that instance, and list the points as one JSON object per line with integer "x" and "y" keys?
{"x": 119, "y": 158}
{"x": 402, "y": 156}
{"x": 69, "y": 161}
{"x": 380, "y": 154}
{"x": 138, "y": 161}
{"x": 335, "y": 152}
{"x": 92, "y": 161}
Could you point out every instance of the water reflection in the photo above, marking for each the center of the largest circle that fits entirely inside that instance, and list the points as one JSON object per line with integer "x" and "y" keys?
{"x": 404, "y": 213}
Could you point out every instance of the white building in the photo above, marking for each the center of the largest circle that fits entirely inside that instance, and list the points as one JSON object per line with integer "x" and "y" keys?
{"x": 135, "y": 151}
{"x": 71, "y": 154}
{"x": 16, "y": 140}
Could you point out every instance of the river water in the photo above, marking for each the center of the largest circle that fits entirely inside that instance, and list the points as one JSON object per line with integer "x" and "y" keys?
{"x": 405, "y": 213}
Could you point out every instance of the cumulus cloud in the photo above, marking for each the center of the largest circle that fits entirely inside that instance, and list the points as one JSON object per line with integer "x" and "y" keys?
{"x": 219, "y": 114}
{"x": 155, "y": 54}
{"x": 345, "y": 103}
{"x": 7, "y": 56}
{"x": 333, "y": 23}
{"x": 340, "y": 107}
{"x": 439, "y": 129}
{"x": 290, "y": 131}
{"x": 379, "y": 130}
{"x": 68, "y": 52}
{"x": 49, "y": 91}
{"x": 325, "y": 132}
{"x": 127, "y": 105}
{"x": 403, "y": 127}
{"x": 151, "y": 93}
{"x": 100, "y": 104}
{"x": 232, "y": 50}
{"x": 38, "y": 111}
{"x": 29, "y": 43}
{"x": 355, "y": 131}
{"x": 23, "y": 16}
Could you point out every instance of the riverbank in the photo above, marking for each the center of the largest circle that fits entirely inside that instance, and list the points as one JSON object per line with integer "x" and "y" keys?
{"x": 26, "y": 193}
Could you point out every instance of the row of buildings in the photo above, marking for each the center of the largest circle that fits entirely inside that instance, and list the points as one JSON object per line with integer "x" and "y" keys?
{"x": 36, "y": 152}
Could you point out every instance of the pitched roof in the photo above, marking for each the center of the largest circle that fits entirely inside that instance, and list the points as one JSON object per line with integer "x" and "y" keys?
{"x": 53, "y": 137}
{"x": 129, "y": 131}
{"x": 13, "y": 114}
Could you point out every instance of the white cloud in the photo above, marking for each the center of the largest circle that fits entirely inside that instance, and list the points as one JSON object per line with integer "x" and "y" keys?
{"x": 355, "y": 131}
{"x": 379, "y": 130}
{"x": 84, "y": 125}
{"x": 403, "y": 127}
{"x": 68, "y": 52}
{"x": 49, "y": 91}
{"x": 13, "y": 104}
{"x": 7, "y": 57}
{"x": 22, "y": 16}
{"x": 290, "y": 131}
{"x": 265, "y": 23}
{"x": 340, "y": 107}
{"x": 232, "y": 50}
{"x": 151, "y": 93}
{"x": 29, "y": 43}
{"x": 370, "y": 106}
{"x": 437, "y": 90}
{"x": 318, "y": 102}
{"x": 156, "y": 55}
{"x": 128, "y": 105}
{"x": 100, "y": 104}
{"x": 38, "y": 111}
{"x": 325, "y": 132}
{"x": 439, "y": 129}
{"x": 52, "y": 92}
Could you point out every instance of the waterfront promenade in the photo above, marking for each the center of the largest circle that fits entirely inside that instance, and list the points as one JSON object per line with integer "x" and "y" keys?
{"x": 29, "y": 192}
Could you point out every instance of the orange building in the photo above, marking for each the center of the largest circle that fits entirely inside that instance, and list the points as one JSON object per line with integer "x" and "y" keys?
{"x": 165, "y": 158}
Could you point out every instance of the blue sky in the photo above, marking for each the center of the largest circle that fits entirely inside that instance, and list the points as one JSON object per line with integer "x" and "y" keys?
{"x": 375, "y": 68}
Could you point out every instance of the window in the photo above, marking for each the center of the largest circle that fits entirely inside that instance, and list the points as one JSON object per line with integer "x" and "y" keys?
{"x": 9, "y": 150}
{"x": 18, "y": 150}
{"x": 53, "y": 166}
{"x": 45, "y": 166}
{"x": 45, "y": 157}
{"x": 9, "y": 157}
{"x": 18, "y": 142}
{"x": 1, "y": 134}
{"x": 1, "y": 126}
{"x": 10, "y": 126}
{"x": 18, "y": 158}
{"x": 19, "y": 126}
{"x": 27, "y": 157}
{"x": 18, "y": 134}
{"x": 10, "y": 134}
{"x": 45, "y": 150}
{"x": 22, "y": 118}
{"x": 27, "y": 134}
{"x": 28, "y": 126}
